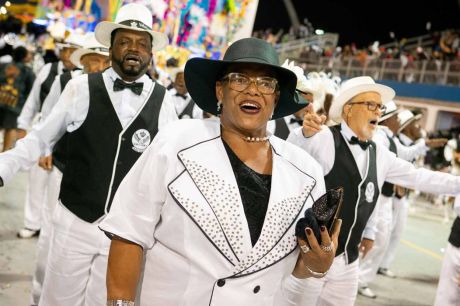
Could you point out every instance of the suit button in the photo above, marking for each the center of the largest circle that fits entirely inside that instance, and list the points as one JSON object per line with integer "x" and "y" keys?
{"x": 123, "y": 138}
{"x": 221, "y": 282}
{"x": 256, "y": 289}
{"x": 119, "y": 163}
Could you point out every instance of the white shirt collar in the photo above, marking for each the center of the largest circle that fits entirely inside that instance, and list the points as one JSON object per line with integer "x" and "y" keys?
{"x": 346, "y": 131}
{"x": 113, "y": 76}
{"x": 386, "y": 130}
{"x": 405, "y": 139}
{"x": 173, "y": 92}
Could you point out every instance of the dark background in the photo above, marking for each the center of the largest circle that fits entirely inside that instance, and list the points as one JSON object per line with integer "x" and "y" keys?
{"x": 363, "y": 22}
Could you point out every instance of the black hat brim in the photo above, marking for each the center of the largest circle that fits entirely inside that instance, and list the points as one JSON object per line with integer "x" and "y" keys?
{"x": 202, "y": 74}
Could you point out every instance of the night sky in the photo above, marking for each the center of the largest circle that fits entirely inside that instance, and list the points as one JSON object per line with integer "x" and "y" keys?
{"x": 363, "y": 21}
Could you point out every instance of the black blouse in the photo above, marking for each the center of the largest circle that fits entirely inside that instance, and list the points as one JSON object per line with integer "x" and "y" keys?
{"x": 255, "y": 192}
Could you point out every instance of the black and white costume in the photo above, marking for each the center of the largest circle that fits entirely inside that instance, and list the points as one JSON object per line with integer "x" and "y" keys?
{"x": 400, "y": 205}
{"x": 186, "y": 108}
{"x": 448, "y": 292}
{"x": 51, "y": 190}
{"x": 38, "y": 177}
{"x": 364, "y": 176}
{"x": 108, "y": 130}
{"x": 370, "y": 264}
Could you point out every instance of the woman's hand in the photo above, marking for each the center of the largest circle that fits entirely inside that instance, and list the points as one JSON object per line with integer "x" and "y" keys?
{"x": 316, "y": 260}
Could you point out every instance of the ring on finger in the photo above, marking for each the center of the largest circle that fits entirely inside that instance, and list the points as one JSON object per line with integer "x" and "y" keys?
{"x": 327, "y": 248}
{"x": 304, "y": 248}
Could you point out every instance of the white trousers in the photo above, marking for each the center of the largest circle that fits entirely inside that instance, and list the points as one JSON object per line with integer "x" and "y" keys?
{"x": 35, "y": 197}
{"x": 77, "y": 263}
{"x": 45, "y": 238}
{"x": 369, "y": 265}
{"x": 448, "y": 292}
{"x": 338, "y": 287}
{"x": 400, "y": 212}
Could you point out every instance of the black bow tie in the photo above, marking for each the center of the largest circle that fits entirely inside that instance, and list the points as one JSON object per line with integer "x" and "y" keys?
{"x": 363, "y": 144}
{"x": 295, "y": 120}
{"x": 136, "y": 88}
{"x": 182, "y": 96}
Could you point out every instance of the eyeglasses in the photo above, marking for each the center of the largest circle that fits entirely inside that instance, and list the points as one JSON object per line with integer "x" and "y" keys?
{"x": 239, "y": 82}
{"x": 372, "y": 106}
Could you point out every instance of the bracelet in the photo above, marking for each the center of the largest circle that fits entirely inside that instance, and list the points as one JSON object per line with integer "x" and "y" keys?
{"x": 316, "y": 274}
{"x": 119, "y": 303}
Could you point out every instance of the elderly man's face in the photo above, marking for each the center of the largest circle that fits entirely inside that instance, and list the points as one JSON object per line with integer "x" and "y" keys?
{"x": 361, "y": 114}
{"x": 247, "y": 110}
{"x": 94, "y": 62}
{"x": 131, "y": 53}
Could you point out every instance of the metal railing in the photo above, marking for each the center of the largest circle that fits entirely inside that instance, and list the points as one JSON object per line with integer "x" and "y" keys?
{"x": 425, "y": 71}
{"x": 412, "y": 43}
{"x": 293, "y": 48}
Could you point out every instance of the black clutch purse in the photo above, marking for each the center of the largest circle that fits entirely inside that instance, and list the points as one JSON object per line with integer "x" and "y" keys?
{"x": 322, "y": 213}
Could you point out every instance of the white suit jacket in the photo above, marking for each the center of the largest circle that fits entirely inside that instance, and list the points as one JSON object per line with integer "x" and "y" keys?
{"x": 181, "y": 202}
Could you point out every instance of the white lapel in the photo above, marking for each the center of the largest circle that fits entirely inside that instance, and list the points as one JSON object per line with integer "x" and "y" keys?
{"x": 208, "y": 182}
{"x": 289, "y": 194}
{"x": 207, "y": 190}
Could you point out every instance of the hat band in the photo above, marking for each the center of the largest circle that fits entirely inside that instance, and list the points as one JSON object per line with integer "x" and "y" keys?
{"x": 99, "y": 49}
{"x": 135, "y": 24}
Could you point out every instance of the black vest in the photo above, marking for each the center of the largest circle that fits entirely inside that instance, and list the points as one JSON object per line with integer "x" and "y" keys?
{"x": 46, "y": 85}
{"x": 60, "y": 148}
{"x": 388, "y": 188}
{"x": 100, "y": 153}
{"x": 360, "y": 196}
{"x": 188, "y": 110}
{"x": 454, "y": 237}
{"x": 281, "y": 128}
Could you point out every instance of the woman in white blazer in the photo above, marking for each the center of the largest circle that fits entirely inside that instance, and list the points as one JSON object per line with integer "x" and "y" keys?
{"x": 215, "y": 202}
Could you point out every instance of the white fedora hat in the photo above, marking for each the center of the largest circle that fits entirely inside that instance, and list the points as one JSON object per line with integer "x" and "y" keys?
{"x": 356, "y": 86}
{"x": 74, "y": 40}
{"x": 406, "y": 117}
{"x": 90, "y": 46}
{"x": 134, "y": 17}
{"x": 390, "y": 111}
{"x": 304, "y": 85}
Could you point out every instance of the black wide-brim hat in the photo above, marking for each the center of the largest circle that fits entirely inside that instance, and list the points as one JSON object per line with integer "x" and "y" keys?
{"x": 202, "y": 74}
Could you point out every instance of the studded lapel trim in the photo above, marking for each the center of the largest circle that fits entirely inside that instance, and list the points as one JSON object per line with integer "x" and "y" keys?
{"x": 195, "y": 206}
{"x": 213, "y": 183}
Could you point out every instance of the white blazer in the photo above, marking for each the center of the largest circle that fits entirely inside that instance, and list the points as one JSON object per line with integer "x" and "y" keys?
{"x": 181, "y": 202}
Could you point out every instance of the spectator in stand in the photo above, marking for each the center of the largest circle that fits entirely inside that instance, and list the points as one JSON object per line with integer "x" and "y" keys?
{"x": 449, "y": 44}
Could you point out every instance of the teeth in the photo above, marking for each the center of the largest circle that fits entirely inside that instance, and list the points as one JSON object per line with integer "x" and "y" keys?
{"x": 250, "y": 105}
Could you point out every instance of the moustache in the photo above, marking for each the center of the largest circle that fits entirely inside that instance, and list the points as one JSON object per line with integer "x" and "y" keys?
{"x": 133, "y": 57}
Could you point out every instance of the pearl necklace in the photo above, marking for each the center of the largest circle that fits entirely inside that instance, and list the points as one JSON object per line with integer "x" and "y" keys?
{"x": 255, "y": 139}
{"x": 249, "y": 138}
